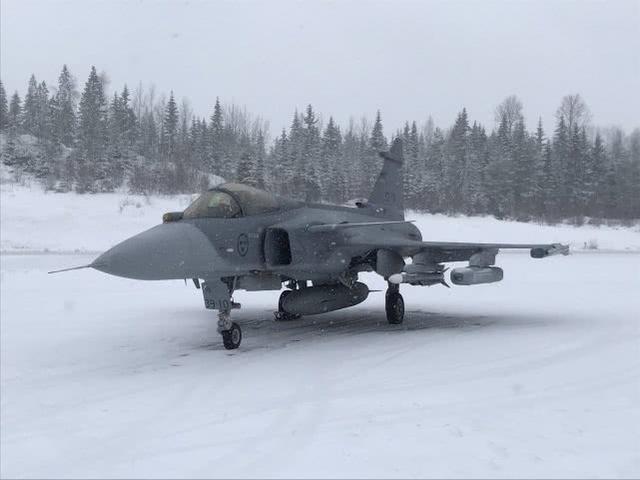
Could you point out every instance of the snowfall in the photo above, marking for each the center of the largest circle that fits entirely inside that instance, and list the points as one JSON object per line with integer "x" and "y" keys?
{"x": 536, "y": 376}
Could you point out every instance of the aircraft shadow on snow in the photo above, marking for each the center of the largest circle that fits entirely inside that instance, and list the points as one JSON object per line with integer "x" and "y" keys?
{"x": 266, "y": 333}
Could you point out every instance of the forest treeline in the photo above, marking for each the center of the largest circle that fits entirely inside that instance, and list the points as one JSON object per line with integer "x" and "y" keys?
{"x": 89, "y": 141}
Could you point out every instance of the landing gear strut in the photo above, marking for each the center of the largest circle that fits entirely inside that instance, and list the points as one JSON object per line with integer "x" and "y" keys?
{"x": 394, "y": 305}
{"x": 217, "y": 296}
{"x": 281, "y": 315}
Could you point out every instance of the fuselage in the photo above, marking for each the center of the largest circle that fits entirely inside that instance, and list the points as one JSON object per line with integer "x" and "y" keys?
{"x": 275, "y": 244}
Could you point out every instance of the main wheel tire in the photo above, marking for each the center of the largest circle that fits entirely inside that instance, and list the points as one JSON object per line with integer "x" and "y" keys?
{"x": 232, "y": 338}
{"x": 281, "y": 315}
{"x": 394, "y": 306}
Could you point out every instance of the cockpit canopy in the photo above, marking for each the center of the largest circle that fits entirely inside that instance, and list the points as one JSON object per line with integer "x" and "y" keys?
{"x": 231, "y": 200}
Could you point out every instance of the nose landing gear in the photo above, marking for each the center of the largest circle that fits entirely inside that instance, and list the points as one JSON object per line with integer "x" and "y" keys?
{"x": 217, "y": 296}
{"x": 232, "y": 334}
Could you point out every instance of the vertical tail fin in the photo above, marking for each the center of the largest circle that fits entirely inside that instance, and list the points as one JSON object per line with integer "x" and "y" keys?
{"x": 387, "y": 197}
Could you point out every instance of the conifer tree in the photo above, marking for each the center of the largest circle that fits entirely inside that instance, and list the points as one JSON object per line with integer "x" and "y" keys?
{"x": 332, "y": 174}
{"x": 260, "y": 158}
{"x": 538, "y": 174}
{"x": 170, "y": 129}
{"x": 434, "y": 183}
{"x": 560, "y": 161}
{"x": 65, "y": 108}
{"x": 292, "y": 166}
{"x": 92, "y": 162}
{"x": 129, "y": 126}
{"x": 279, "y": 162}
{"x": 456, "y": 160}
{"x": 413, "y": 169}
{"x": 308, "y": 167}
{"x": 473, "y": 189}
{"x": 598, "y": 172}
{"x": 43, "y": 113}
{"x": 378, "y": 141}
{"x": 31, "y": 107}
{"x": 15, "y": 111}
{"x": 521, "y": 169}
{"x": 217, "y": 138}
{"x": 4, "y": 108}
{"x": 499, "y": 172}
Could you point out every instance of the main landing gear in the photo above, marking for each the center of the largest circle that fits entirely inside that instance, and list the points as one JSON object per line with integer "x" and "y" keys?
{"x": 394, "y": 305}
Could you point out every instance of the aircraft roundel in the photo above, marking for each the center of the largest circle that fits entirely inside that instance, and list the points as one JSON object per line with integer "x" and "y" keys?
{"x": 243, "y": 244}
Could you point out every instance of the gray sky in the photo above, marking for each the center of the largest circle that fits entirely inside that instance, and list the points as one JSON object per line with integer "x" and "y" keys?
{"x": 409, "y": 59}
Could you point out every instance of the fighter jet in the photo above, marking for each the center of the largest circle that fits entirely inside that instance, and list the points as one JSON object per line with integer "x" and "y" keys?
{"x": 237, "y": 237}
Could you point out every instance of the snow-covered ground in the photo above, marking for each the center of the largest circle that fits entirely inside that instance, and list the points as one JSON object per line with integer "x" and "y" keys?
{"x": 537, "y": 376}
{"x": 35, "y": 221}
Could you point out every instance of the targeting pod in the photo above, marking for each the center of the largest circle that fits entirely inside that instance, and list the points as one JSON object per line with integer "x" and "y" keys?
{"x": 476, "y": 275}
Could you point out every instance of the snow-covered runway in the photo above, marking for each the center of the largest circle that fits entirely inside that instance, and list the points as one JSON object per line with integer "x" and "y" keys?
{"x": 537, "y": 376}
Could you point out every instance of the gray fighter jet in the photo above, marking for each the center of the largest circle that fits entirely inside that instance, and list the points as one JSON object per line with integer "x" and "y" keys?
{"x": 236, "y": 237}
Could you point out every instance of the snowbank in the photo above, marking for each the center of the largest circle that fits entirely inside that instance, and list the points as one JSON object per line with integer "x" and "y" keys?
{"x": 36, "y": 221}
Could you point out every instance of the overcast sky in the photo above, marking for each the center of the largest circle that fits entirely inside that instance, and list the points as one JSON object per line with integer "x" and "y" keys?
{"x": 409, "y": 59}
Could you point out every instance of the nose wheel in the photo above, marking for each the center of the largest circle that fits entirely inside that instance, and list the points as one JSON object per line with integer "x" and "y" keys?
{"x": 231, "y": 338}
{"x": 394, "y": 305}
{"x": 230, "y": 331}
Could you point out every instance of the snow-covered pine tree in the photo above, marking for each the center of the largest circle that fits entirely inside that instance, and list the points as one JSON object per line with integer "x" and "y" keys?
{"x": 216, "y": 127}
{"x": 93, "y": 170}
{"x": 378, "y": 141}
{"x": 560, "y": 161}
{"x": 628, "y": 166}
{"x": 42, "y": 112}
{"x": 170, "y": 129}
{"x": 538, "y": 174}
{"x": 246, "y": 171}
{"x": 456, "y": 160}
{"x": 634, "y": 174}
{"x": 117, "y": 148}
{"x": 473, "y": 192}
{"x": 499, "y": 172}
{"x": 65, "y": 121}
{"x": 433, "y": 184}
{"x": 310, "y": 158}
{"x": 277, "y": 163}
{"x": 260, "y": 159}
{"x": 331, "y": 171}
{"x": 295, "y": 147}
{"x": 573, "y": 173}
{"x": 30, "y": 108}
{"x": 4, "y": 108}
{"x": 129, "y": 127}
{"x": 413, "y": 168}
{"x": 598, "y": 172}
{"x": 15, "y": 111}
{"x": 522, "y": 170}
{"x": 550, "y": 183}
{"x": 369, "y": 160}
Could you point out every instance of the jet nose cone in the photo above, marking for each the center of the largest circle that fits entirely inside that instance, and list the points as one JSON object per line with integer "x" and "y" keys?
{"x": 164, "y": 252}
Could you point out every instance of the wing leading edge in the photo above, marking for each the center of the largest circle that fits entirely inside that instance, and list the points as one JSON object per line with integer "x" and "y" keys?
{"x": 456, "y": 251}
